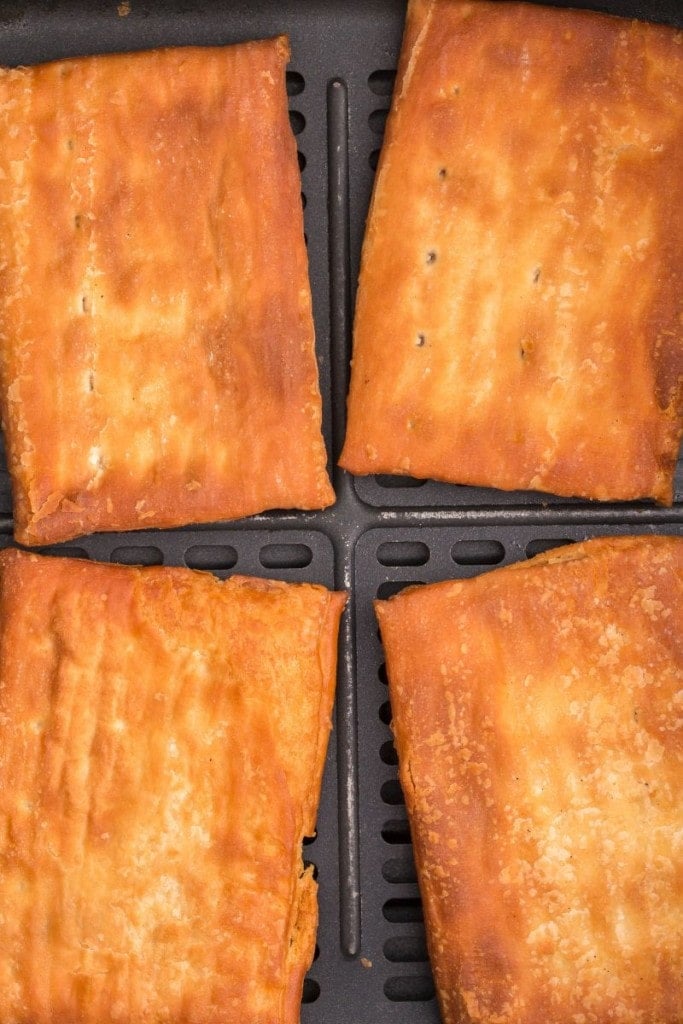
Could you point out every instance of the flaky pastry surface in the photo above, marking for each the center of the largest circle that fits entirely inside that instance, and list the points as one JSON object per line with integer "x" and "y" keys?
{"x": 162, "y": 744}
{"x": 519, "y": 321}
{"x": 538, "y": 718}
{"x": 156, "y": 336}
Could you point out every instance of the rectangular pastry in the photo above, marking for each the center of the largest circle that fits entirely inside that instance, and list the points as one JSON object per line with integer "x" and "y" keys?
{"x": 537, "y": 712}
{"x": 156, "y": 338}
{"x": 162, "y": 743}
{"x": 519, "y": 321}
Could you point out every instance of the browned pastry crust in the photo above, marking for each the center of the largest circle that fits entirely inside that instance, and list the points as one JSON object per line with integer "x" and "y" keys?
{"x": 538, "y": 713}
{"x": 520, "y": 309}
{"x": 158, "y": 361}
{"x": 162, "y": 744}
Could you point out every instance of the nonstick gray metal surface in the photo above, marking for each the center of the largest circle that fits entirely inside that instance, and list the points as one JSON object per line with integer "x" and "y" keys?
{"x": 383, "y": 532}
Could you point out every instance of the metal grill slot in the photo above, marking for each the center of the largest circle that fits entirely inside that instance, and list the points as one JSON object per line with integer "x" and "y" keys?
{"x": 406, "y": 949}
{"x": 399, "y": 870}
{"x": 411, "y": 989}
{"x": 542, "y": 544}
{"x": 403, "y": 910}
{"x": 393, "y": 483}
{"x": 211, "y": 556}
{"x": 297, "y": 121}
{"x": 378, "y": 120}
{"x": 385, "y": 712}
{"x": 388, "y": 754}
{"x": 285, "y": 556}
{"x": 400, "y": 553}
{"x": 295, "y": 83}
{"x": 477, "y": 552}
{"x": 396, "y": 832}
{"x": 381, "y": 82}
{"x": 392, "y": 793}
{"x": 65, "y": 552}
{"x": 137, "y": 555}
{"x": 386, "y": 590}
{"x": 311, "y": 991}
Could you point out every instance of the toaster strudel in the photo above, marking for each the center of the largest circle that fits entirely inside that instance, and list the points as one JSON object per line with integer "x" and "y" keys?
{"x": 156, "y": 336}
{"x": 538, "y": 719}
{"x": 162, "y": 744}
{"x": 519, "y": 320}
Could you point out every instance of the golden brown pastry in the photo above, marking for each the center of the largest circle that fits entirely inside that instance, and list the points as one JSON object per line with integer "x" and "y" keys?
{"x": 520, "y": 312}
{"x": 156, "y": 337}
{"x": 538, "y": 713}
{"x": 162, "y": 743}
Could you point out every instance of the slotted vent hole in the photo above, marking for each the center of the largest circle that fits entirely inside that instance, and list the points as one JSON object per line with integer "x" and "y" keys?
{"x": 211, "y": 556}
{"x": 377, "y": 120}
{"x": 396, "y": 832}
{"x": 392, "y": 793}
{"x": 373, "y": 159}
{"x": 400, "y": 553}
{"x": 297, "y": 121}
{"x": 393, "y": 483}
{"x": 391, "y": 587}
{"x": 477, "y": 552}
{"x": 65, "y": 552}
{"x": 381, "y": 82}
{"x": 301, "y": 158}
{"x": 137, "y": 555}
{"x": 399, "y": 870}
{"x": 409, "y": 989}
{"x": 309, "y": 840}
{"x": 304, "y": 200}
{"x": 403, "y": 910}
{"x": 285, "y": 556}
{"x": 296, "y": 83}
{"x": 543, "y": 544}
{"x": 387, "y": 753}
{"x": 382, "y": 672}
{"x": 311, "y": 991}
{"x": 385, "y": 712}
{"x": 406, "y": 949}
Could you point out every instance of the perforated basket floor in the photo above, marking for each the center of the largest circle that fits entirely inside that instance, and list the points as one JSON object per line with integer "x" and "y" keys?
{"x": 383, "y": 532}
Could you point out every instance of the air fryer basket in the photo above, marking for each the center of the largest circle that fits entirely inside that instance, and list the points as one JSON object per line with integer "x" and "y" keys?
{"x": 371, "y": 964}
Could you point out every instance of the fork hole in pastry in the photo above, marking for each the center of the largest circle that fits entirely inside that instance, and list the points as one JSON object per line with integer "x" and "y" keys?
{"x": 78, "y": 220}
{"x": 443, "y": 173}
{"x": 420, "y": 340}
{"x": 536, "y": 275}
{"x": 91, "y": 381}
{"x": 85, "y": 303}
{"x": 431, "y": 257}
